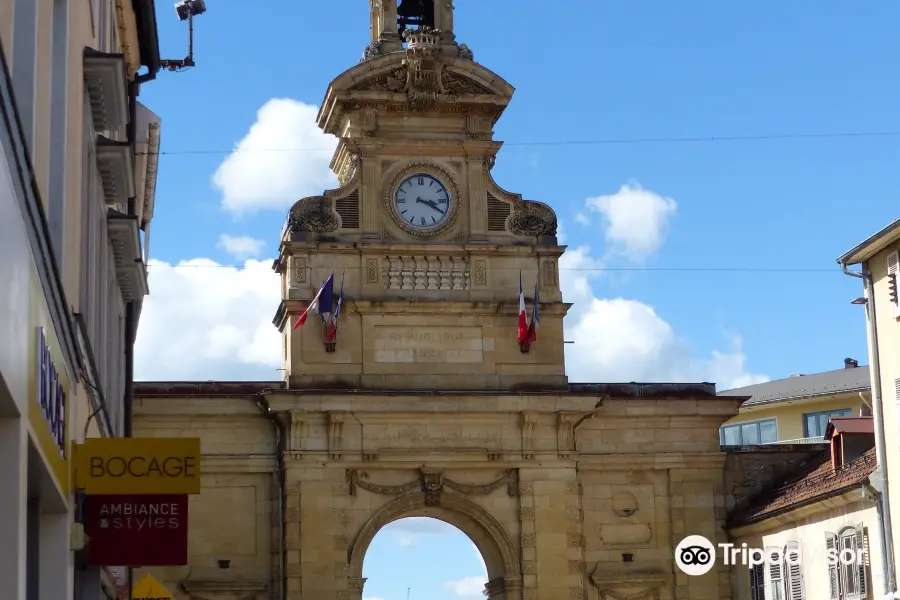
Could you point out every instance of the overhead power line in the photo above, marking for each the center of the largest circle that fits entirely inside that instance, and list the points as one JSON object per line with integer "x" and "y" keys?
{"x": 598, "y": 142}
{"x": 573, "y": 269}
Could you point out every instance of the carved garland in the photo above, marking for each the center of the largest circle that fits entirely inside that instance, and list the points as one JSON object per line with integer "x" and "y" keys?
{"x": 432, "y": 483}
{"x": 429, "y": 168}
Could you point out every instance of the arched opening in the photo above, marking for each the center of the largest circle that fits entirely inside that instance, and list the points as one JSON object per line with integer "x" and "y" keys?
{"x": 469, "y": 531}
{"x": 423, "y": 558}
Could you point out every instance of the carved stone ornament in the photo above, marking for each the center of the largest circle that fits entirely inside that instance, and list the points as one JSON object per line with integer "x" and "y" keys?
{"x": 422, "y": 76}
{"x": 529, "y": 419}
{"x": 373, "y": 50}
{"x": 433, "y": 486}
{"x": 565, "y": 434}
{"x": 348, "y": 170}
{"x": 433, "y": 483}
{"x": 532, "y": 218}
{"x": 313, "y": 214}
{"x": 335, "y": 434}
{"x": 444, "y": 175}
{"x": 640, "y": 580}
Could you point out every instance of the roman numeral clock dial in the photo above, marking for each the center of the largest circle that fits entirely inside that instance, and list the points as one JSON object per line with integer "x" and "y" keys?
{"x": 422, "y": 201}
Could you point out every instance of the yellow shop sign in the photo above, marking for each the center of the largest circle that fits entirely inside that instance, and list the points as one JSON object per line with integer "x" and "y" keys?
{"x": 138, "y": 466}
{"x": 148, "y": 588}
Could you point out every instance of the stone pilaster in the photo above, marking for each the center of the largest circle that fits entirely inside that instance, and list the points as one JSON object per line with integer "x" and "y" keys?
{"x": 314, "y": 534}
{"x": 370, "y": 198}
{"x": 383, "y": 25}
{"x": 555, "y": 546}
{"x": 528, "y": 539}
{"x": 477, "y": 199}
{"x": 694, "y": 495}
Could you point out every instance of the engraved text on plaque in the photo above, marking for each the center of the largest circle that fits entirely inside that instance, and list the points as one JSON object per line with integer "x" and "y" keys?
{"x": 395, "y": 344}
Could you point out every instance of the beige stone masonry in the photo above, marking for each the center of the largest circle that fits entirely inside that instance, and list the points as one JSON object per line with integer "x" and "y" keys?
{"x": 425, "y": 404}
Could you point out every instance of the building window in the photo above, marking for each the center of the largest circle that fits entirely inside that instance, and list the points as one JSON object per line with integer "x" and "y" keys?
{"x": 776, "y": 575}
{"x": 847, "y": 581}
{"x": 814, "y": 424}
{"x": 793, "y": 573}
{"x": 764, "y": 431}
{"x": 757, "y": 583}
{"x": 893, "y": 272}
{"x": 785, "y": 580}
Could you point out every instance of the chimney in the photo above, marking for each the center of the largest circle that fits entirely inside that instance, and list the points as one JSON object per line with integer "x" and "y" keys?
{"x": 850, "y": 363}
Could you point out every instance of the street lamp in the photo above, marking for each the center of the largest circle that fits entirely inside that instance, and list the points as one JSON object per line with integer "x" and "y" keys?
{"x": 189, "y": 8}
{"x": 186, "y": 11}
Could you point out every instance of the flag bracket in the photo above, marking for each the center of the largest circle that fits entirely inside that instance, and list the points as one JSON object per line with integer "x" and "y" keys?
{"x": 330, "y": 346}
{"x": 524, "y": 348}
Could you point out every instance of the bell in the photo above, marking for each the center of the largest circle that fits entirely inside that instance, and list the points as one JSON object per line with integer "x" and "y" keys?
{"x": 414, "y": 9}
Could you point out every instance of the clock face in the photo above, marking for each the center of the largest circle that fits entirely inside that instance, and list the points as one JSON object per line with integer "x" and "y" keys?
{"x": 422, "y": 201}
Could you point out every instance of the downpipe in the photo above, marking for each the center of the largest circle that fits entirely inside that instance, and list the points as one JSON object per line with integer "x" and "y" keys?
{"x": 280, "y": 445}
{"x": 878, "y": 422}
{"x": 128, "y": 408}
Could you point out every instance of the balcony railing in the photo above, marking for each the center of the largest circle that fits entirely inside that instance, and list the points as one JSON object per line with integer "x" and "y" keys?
{"x": 819, "y": 439}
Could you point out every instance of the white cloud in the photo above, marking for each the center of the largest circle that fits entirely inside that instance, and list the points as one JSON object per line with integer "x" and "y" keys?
{"x": 410, "y": 531}
{"x": 283, "y": 158}
{"x": 467, "y": 587}
{"x": 582, "y": 219}
{"x": 241, "y": 246}
{"x": 619, "y": 339}
{"x": 626, "y": 340}
{"x": 221, "y": 319}
{"x": 470, "y": 587}
{"x": 205, "y": 321}
{"x": 635, "y": 220}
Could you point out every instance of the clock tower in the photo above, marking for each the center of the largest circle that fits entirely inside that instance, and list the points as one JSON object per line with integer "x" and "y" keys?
{"x": 430, "y": 249}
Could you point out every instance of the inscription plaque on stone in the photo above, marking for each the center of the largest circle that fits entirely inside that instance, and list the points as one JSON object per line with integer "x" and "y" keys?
{"x": 396, "y": 344}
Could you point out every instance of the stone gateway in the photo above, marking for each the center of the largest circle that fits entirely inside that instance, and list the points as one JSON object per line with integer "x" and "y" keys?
{"x": 424, "y": 403}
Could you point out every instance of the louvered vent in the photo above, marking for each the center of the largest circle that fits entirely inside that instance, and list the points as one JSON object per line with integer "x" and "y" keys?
{"x": 348, "y": 209}
{"x": 497, "y": 213}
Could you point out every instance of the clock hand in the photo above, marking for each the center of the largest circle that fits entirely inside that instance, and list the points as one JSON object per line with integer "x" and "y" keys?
{"x": 434, "y": 205}
{"x": 430, "y": 203}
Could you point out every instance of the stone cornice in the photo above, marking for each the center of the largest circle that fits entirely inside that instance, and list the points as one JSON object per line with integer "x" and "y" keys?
{"x": 477, "y": 458}
{"x": 660, "y": 460}
{"x": 424, "y": 406}
{"x": 238, "y": 463}
{"x": 393, "y": 249}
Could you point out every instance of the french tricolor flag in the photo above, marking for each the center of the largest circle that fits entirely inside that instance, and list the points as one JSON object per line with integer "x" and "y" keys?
{"x": 535, "y": 321}
{"x": 331, "y": 330}
{"x": 323, "y": 303}
{"x": 523, "y": 317}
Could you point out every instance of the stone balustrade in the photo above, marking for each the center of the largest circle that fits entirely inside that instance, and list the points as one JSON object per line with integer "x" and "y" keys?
{"x": 427, "y": 273}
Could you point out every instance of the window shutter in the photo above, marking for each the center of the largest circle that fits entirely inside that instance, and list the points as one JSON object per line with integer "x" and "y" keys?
{"x": 893, "y": 268}
{"x": 862, "y": 545}
{"x": 776, "y": 575}
{"x": 757, "y": 583}
{"x": 831, "y": 548}
{"x": 794, "y": 573}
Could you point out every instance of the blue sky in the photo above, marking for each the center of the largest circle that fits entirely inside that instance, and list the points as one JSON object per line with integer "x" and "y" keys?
{"x": 608, "y": 71}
